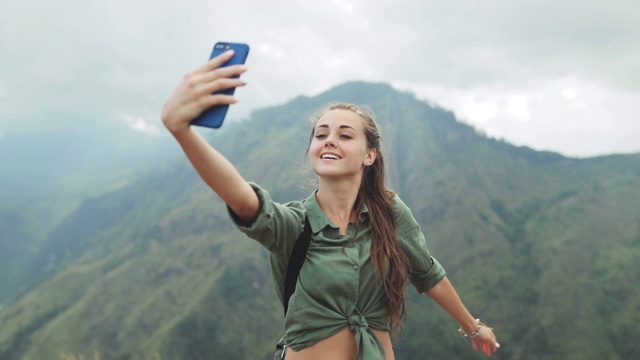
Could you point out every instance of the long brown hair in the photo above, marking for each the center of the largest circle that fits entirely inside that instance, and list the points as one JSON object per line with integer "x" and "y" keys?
{"x": 374, "y": 194}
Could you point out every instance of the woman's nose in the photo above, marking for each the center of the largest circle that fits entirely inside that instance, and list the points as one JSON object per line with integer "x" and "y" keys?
{"x": 329, "y": 142}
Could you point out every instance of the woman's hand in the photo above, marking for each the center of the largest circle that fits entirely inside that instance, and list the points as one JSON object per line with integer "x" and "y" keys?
{"x": 194, "y": 93}
{"x": 485, "y": 341}
{"x": 446, "y": 296}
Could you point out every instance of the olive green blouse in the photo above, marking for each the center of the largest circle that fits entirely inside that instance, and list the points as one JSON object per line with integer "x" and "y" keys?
{"x": 337, "y": 286}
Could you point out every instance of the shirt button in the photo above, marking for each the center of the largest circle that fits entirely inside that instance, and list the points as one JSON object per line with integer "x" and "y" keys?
{"x": 351, "y": 245}
{"x": 355, "y": 267}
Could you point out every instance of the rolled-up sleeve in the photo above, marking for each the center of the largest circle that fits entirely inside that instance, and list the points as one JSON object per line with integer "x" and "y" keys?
{"x": 424, "y": 270}
{"x": 277, "y": 225}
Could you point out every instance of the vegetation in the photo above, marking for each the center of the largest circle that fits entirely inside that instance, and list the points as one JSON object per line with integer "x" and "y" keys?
{"x": 542, "y": 247}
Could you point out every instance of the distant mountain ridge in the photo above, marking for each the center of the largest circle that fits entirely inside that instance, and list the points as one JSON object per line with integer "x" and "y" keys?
{"x": 543, "y": 247}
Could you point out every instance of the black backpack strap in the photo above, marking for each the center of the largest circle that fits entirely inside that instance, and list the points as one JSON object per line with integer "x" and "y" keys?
{"x": 296, "y": 260}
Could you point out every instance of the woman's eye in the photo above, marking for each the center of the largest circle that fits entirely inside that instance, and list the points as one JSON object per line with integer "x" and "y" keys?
{"x": 342, "y": 136}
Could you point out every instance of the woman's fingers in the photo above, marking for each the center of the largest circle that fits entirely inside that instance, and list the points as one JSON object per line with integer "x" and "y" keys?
{"x": 223, "y": 72}
{"x": 491, "y": 346}
{"x": 486, "y": 348}
{"x": 196, "y": 78}
{"x": 198, "y": 91}
{"x": 203, "y": 85}
{"x": 217, "y": 99}
{"x": 490, "y": 341}
{"x": 485, "y": 342}
{"x": 221, "y": 84}
{"x": 216, "y": 62}
{"x": 195, "y": 93}
{"x": 223, "y": 78}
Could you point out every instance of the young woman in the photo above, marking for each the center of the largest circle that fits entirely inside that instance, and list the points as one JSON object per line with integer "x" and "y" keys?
{"x": 365, "y": 244}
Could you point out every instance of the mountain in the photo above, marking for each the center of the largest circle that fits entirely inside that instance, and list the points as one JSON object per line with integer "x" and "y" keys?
{"x": 45, "y": 176}
{"x": 15, "y": 250}
{"x": 542, "y": 247}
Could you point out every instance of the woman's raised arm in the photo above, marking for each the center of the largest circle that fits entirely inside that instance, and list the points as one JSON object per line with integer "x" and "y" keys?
{"x": 191, "y": 97}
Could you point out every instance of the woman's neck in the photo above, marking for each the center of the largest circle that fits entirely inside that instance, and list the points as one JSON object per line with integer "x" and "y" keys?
{"x": 337, "y": 199}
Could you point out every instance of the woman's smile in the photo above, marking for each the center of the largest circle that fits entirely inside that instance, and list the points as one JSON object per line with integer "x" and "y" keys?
{"x": 330, "y": 156}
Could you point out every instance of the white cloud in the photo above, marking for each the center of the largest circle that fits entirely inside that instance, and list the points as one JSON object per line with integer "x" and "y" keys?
{"x": 569, "y": 93}
{"x": 344, "y": 5}
{"x": 480, "y": 112}
{"x": 518, "y": 107}
{"x": 143, "y": 124}
{"x": 334, "y": 61}
{"x": 269, "y": 50}
{"x": 540, "y": 115}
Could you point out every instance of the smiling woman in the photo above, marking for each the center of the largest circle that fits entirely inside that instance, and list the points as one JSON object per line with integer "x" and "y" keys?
{"x": 365, "y": 245}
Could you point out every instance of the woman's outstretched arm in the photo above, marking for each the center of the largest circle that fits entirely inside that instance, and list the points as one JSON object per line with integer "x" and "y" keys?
{"x": 446, "y": 296}
{"x": 191, "y": 97}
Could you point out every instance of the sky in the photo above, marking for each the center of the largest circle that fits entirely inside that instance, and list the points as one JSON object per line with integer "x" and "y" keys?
{"x": 560, "y": 76}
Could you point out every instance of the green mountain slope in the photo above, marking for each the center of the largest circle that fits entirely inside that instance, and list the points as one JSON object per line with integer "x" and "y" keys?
{"x": 15, "y": 241}
{"x": 543, "y": 247}
{"x": 46, "y": 174}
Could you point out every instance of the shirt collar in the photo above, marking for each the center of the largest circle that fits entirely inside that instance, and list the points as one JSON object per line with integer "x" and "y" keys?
{"x": 318, "y": 220}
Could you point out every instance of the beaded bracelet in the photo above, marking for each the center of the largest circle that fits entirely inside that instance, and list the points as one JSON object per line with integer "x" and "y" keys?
{"x": 473, "y": 333}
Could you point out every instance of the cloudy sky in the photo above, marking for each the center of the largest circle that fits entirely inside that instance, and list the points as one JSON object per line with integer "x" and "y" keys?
{"x": 553, "y": 75}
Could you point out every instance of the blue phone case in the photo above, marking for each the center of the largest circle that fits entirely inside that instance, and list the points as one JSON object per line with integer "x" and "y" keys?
{"x": 213, "y": 117}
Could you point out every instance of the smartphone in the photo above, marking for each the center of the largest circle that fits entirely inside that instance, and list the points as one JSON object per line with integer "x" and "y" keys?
{"x": 213, "y": 117}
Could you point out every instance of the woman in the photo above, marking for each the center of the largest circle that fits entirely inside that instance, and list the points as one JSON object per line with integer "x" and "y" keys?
{"x": 349, "y": 299}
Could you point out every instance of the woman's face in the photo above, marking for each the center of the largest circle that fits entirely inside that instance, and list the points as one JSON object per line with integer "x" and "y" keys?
{"x": 339, "y": 145}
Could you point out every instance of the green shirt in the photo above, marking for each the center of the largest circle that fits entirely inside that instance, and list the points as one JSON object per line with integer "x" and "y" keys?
{"x": 337, "y": 286}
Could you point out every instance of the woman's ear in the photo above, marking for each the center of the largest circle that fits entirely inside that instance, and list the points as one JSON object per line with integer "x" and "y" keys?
{"x": 371, "y": 157}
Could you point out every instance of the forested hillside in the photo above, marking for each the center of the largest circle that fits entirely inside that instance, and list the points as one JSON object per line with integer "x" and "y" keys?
{"x": 45, "y": 174}
{"x": 542, "y": 247}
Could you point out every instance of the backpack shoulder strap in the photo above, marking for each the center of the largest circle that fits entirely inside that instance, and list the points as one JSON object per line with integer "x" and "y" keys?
{"x": 296, "y": 260}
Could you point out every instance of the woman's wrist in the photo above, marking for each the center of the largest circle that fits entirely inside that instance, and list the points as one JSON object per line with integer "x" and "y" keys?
{"x": 471, "y": 329}
{"x": 178, "y": 129}
{"x": 469, "y": 326}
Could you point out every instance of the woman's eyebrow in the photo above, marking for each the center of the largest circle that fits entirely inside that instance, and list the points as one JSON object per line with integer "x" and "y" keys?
{"x": 347, "y": 127}
{"x": 325, "y": 126}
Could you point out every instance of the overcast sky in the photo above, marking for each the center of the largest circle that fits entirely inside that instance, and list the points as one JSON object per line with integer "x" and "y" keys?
{"x": 553, "y": 75}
